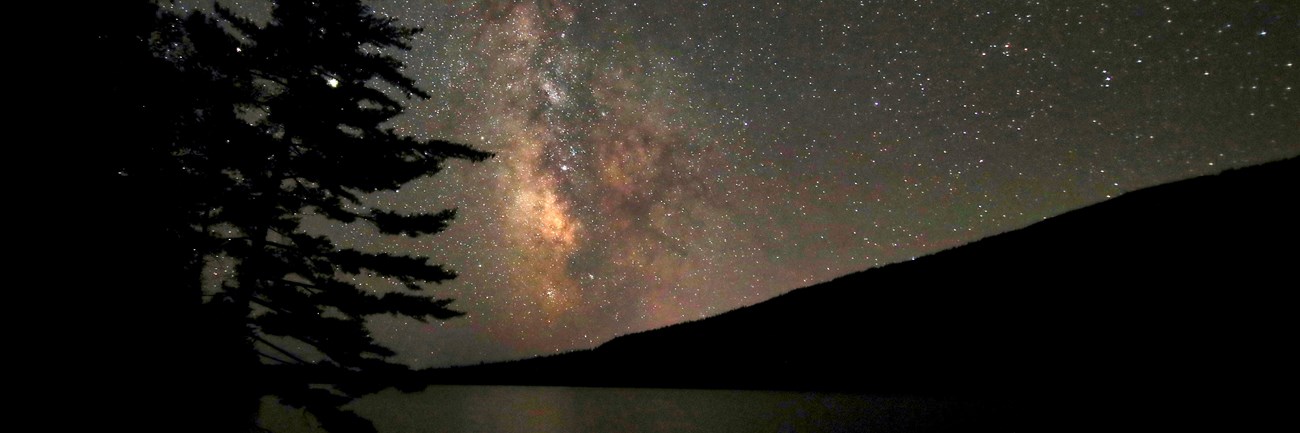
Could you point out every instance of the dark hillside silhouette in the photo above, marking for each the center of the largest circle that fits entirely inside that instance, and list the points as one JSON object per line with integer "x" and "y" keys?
{"x": 1160, "y": 294}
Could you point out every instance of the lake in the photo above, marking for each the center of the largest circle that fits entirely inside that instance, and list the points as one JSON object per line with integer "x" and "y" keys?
{"x": 505, "y": 409}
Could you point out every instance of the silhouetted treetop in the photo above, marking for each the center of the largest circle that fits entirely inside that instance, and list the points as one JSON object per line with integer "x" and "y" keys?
{"x": 237, "y": 131}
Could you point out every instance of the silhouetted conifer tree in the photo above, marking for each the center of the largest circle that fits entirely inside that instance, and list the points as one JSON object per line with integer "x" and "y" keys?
{"x": 231, "y": 139}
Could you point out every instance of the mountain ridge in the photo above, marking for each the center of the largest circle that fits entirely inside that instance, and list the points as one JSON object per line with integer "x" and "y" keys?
{"x": 1169, "y": 289}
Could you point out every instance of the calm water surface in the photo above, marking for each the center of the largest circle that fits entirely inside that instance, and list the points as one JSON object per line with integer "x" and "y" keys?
{"x": 504, "y": 409}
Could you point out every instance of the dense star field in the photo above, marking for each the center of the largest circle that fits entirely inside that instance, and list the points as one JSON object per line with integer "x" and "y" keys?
{"x": 663, "y": 161}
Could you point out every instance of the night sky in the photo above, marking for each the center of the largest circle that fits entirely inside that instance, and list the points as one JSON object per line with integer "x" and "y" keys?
{"x": 664, "y": 161}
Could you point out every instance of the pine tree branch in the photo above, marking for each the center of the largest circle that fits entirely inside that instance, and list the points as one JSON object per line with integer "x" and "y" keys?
{"x": 279, "y": 349}
{"x": 310, "y": 287}
{"x": 407, "y": 269}
{"x": 264, "y": 303}
{"x": 264, "y": 355}
{"x": 392, "y": 223}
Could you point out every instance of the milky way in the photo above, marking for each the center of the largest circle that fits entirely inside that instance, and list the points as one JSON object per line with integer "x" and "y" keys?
{"x": 600, "y": 211}
{"x": 663, "y": 161}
